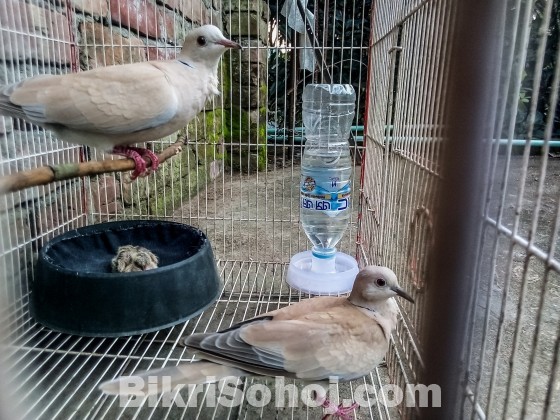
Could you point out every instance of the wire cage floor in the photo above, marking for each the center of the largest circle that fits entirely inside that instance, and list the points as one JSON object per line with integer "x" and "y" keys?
{"x": 62, "y": 372}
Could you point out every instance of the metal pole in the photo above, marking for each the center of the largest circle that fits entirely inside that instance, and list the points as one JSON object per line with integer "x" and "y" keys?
{"x": 472, "y": 72}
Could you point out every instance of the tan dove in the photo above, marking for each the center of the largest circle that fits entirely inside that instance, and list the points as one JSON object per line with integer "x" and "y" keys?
{"x": 313, "y": 340}
{"x": 112, "y": 107}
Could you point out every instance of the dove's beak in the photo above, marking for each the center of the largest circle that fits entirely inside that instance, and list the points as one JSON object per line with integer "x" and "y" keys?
{"x": 229, "y": 44}
{"x": 402, "y": 293}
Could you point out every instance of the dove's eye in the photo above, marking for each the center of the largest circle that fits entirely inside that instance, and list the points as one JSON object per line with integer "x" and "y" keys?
{"x": 201, "y": 41}
{"x": 380, "y": 282}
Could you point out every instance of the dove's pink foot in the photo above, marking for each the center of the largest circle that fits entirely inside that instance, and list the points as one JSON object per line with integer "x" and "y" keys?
{"x": 136, "y": 154}
{"x": 338, "y": 411}
{"x": 153, "y": 157}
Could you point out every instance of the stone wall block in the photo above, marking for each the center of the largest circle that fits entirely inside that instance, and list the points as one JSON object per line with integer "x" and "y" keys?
{"x": 110, "y": 47}
{"x": 106, "y": 195}
{"x": 257, "y": 6}
{"x": 247, "y": 25}
{"x": 145, "y": 18}
{"x": 34, "y": 33}
{"x": 254, "y": 52}
{"x": 97, "y": 8}
{"x": 51, "y": 216}
{"x": 194, "y": 10}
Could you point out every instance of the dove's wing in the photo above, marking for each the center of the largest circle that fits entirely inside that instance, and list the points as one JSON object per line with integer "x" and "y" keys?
{"x": 339, "y": 341}
{"x": 106, "y": 100}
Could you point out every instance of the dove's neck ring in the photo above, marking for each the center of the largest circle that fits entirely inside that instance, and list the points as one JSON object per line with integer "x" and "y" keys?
{"x": 186, "y": 64}
{"x": 360, "y": 306}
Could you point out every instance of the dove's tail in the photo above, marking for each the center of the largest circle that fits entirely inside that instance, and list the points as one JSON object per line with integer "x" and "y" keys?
{"x": 7, "y": 107}
{"x": 164, "y": 380}
{"x": 22, "y": 99}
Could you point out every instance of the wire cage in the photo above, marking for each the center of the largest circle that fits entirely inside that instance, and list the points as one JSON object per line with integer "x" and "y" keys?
{"x": 237, "y": 179}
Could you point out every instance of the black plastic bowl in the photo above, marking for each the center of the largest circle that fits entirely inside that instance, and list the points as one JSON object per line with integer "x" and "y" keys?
{"x": 74, "y": 290}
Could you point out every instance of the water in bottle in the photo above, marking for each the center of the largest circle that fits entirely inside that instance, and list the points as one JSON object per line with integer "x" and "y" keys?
{"x": 325, "y": 206}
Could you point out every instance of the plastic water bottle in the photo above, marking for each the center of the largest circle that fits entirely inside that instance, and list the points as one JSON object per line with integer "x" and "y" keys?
{"x": 325, "y": 206}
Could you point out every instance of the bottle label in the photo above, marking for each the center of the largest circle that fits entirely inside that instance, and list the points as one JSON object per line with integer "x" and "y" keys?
{"x": 324, "y": 193}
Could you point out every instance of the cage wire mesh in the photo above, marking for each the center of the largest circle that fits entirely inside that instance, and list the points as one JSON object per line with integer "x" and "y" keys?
{"x": 514, "y": 336}
{"x": 238, "y": 180}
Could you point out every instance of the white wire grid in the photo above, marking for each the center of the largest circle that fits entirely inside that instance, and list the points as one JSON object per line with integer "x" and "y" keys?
{"x": 251, "y": 219}
{"x": 511, "y": 363}
{"x": 515, "y": 328}
{"x": 407, "y": 85}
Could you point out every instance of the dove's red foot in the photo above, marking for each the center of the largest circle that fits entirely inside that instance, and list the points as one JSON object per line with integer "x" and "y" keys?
{"x": 136, "y": 154}
{"x": 338, "y": 411}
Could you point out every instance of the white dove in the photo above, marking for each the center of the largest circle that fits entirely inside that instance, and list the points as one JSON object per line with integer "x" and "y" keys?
{"x": 112, "y": 107}
{"x": 313, "y": 340}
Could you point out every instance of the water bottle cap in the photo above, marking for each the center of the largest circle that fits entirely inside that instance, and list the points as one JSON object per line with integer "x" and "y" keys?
{"x": 323, "y": 253}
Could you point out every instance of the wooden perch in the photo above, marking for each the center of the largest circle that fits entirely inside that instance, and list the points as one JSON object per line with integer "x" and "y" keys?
{"x": 47, "y": 174}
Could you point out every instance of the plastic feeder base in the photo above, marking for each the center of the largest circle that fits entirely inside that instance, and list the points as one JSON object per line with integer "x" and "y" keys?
{"x": 301, "y": 276}
{"x": 74, "y": 290}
